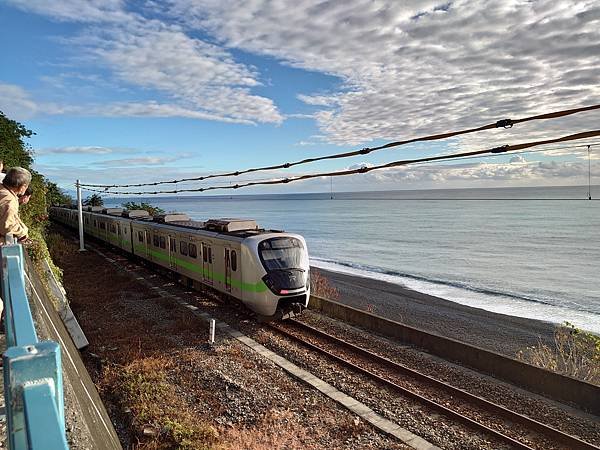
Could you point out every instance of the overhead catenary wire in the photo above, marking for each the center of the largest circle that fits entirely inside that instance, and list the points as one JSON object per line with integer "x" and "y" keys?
{"x": 365, "y": 169}
{"x": 504, "y": 123}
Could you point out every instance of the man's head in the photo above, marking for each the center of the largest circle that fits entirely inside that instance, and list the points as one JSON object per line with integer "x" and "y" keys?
{"x": 17, "y": 180}
{"x": 26, "y": 196}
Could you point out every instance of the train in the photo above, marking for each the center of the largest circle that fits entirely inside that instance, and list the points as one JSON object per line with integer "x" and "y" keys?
{"x": 266, "y": 270}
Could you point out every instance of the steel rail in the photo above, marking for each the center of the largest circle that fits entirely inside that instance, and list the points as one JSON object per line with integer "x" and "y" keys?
{"x": 545, "y": 430}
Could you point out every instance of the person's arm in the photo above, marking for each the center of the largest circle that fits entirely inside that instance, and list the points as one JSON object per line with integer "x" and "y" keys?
{"x": 10, "y": 223}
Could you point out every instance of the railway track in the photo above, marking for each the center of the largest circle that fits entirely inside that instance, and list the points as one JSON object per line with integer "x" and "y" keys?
{"x": 470, "y": 416}
{"x": 473, "y": 412}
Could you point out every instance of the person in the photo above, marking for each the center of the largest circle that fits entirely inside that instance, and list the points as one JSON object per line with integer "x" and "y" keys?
{"x": 15, "y": 183}
{"x": 26, "y": 196}
{"x": 2, "y": 174}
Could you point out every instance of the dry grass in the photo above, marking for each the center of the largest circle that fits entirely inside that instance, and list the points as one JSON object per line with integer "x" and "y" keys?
{"x": 157, "y": 417}
{"x": 322, "y": 287}
{"x": 278, "y": 430}
{"x": 575, "y": 353}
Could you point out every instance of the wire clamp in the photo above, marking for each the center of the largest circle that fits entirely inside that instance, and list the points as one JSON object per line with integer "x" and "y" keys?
{"x": 501, "y": 149}
{"x": 504, "y": 123}
{"x": 365, "y": 151}
{"x": 286, "y": 165}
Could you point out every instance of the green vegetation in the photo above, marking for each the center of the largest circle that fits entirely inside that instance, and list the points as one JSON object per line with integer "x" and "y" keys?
{"x": 94, "y": 200}
{"x": 14, "y": 151}
{"x": 575, "y": 353}
{"x": 55, "y": 196}
{"x": 153, "y": 210}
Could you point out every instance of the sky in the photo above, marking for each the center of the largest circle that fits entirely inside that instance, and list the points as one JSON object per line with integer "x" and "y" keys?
{"x": 124, "y": 92}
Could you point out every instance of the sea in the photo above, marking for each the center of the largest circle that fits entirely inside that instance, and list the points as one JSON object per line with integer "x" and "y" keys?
{"x": 527, "y": 252}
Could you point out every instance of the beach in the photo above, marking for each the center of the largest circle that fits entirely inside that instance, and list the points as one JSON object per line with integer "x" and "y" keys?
{"x": 497, "y": 332}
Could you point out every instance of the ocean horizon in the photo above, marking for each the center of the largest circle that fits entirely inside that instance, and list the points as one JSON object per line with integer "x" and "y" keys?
{"x": 527, "y": 252}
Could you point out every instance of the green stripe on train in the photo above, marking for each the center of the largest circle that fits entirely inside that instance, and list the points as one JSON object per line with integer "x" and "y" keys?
{"x": 260, "y": 286}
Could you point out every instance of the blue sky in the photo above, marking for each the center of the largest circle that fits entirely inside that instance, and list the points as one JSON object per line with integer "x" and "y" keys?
{"x": 122, "y": 92}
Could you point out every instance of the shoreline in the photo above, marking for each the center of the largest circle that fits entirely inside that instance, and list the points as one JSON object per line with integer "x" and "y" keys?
{"x": 501, "y": 333}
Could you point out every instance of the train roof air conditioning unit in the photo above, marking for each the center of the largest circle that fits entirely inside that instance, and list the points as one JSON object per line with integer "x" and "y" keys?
{"x": 95, "y": 208}
{"x": 231, "y": 225}
{"x": 171, "y": 217}
{"x": 112, "y": 211}
{"x": 136, "y": 213}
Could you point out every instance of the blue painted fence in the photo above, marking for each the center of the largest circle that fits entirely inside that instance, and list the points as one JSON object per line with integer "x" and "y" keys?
{"x": 33, "y": 387}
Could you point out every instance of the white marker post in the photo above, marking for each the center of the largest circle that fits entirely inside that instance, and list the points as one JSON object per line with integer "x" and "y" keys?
{"x": 80, "y": 214}
{"x": 211, "y": 332}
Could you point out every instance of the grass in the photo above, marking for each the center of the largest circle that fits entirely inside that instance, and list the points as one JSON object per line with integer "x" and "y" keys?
{"x": 141, "y": 386}
{"x": 575, "y": 353}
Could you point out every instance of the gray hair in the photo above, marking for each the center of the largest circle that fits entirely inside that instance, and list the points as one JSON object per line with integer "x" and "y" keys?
{"x": 17, "y": 177}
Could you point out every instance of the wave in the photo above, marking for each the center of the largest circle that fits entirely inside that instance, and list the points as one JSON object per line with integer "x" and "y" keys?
{"x": 514, "y": 304}
{"x": 455, "y": 284}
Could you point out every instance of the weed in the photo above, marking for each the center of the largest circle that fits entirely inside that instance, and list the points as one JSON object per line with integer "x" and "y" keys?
{"x": 575, "y": 353}
{"x": 322, "y": 287}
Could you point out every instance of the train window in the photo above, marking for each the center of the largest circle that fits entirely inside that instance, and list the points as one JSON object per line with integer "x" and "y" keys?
{"x": 141, "y": 236}
{"x": 95, "y": 223}
{"x": 119, "y": 230}
{"x": 102, "y": 226}
{"x": 113, "y": 229}
{"x": 204, "y": 253}
{"x": 209, "y": 255}
{"x": 193, "y": 251}
{"x": 173, "y": 245}
{"x": 163, "y": 242}
{"x": 233, "y": 260}
{"x": 183, "y": 248}
{"x": 155, "y": 240}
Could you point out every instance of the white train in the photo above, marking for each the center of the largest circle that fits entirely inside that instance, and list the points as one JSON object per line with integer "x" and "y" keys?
{"x": 267, "y": 270}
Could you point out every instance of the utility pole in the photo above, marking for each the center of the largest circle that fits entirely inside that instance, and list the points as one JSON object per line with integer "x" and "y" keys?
{"x": 589, "y": 172}
{"x": 80, "y": 215}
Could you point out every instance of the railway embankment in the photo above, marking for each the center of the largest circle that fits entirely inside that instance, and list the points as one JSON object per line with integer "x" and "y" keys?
{"x": 87, "y": 422}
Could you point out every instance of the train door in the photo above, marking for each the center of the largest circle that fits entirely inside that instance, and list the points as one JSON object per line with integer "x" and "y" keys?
{"x": 119, "y": 236}
{"x": 207, "y": 263}
{"x": 227, "y": 269}
{"x": 172, "y": 252}
{"x": 147, "y": 243}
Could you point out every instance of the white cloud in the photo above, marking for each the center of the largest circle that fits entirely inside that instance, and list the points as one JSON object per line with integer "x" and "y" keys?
{"x": 76, "y": 10}
{"x": 15, "y": 102}
{"x": 415, "y": 67}
{"x": 141, "y": 161}
{"x": 81, "y": 150}
{"x": 201, "y": 80}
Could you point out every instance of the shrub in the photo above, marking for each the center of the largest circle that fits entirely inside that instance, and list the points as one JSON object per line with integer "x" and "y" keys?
{"x": 152, "y": 210}
{"x": 575, "y": 353}
{"x": 322, "y": 287}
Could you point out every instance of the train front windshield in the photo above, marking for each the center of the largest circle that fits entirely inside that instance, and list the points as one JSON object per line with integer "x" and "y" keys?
{"x": 281, "y": 253}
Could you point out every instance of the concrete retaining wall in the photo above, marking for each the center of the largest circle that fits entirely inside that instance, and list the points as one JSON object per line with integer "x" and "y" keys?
{"x": 550, "y": 384}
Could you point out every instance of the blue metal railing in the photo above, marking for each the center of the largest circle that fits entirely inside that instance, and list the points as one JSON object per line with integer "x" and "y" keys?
{"x": 33, "y": 387}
